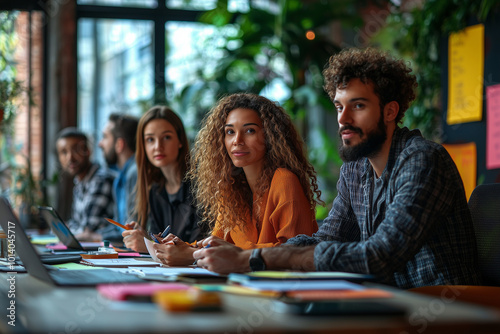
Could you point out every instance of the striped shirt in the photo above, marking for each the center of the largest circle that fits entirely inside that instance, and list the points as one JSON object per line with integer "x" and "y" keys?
{"x": 409, "y": 228}
{"x": 92, "y": 201}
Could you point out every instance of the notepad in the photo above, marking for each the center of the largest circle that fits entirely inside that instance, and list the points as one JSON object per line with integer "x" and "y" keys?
{"x": 119, "y": 263}
{"x": 300, "y": 295}
{"x": 151, "y": 251}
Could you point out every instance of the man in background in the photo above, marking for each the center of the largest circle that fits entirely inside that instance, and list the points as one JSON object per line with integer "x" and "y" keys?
{"x": 118, "y": 146}
{"x": 92, "y": 191}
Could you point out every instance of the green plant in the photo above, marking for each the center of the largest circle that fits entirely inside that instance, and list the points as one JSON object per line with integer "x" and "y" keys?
{"x": 417, "y": 35}
{"x": 283, "y": 44}
{"x": 26, "y": 187}
{"x": 10, "y": 88}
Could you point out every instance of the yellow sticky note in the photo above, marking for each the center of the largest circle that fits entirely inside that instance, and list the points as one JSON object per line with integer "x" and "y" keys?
{"x": 465, "y": 71}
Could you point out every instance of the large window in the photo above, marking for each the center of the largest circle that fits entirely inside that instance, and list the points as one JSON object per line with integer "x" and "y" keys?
{"x": 134, "y": 54}
{"x": 115, "y": 69}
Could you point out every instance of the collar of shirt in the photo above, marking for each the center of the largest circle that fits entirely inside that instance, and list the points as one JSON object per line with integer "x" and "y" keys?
{"x": 88, "y": 176}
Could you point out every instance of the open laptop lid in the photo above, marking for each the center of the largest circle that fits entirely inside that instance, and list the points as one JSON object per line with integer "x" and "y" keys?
{"x": 35, "y": 267}
{"x": 23, "y": 247}
{"x": 59, "y": 227}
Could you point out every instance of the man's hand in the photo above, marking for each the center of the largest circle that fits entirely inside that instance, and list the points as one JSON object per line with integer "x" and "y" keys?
{"x": 222, "y": 257}
{"x": 225, "y": 258}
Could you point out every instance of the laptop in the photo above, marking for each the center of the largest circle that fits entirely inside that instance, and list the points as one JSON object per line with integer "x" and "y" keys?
{"x": 62, "y": 231}
{"x": 35, "y": 267}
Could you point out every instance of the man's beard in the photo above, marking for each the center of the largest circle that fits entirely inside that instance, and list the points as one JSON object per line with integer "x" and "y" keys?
{"x": 111, "y": 158}
{"x": 367, "y": 148}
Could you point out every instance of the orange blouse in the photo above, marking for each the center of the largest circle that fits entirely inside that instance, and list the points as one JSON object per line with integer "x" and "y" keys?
{"x": 287, "y": 212}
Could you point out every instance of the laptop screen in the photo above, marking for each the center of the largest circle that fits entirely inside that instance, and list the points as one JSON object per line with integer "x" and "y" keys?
{"x": 59, "y": 228}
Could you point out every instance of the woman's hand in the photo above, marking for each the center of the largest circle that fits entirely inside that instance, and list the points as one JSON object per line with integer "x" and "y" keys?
{"x": 174, "y": 252}
{"x": 212, "y": 241}
{"x": 134, "y": 239}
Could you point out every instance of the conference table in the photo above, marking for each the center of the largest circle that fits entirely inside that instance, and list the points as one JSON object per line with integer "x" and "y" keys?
{"x": 44, "y": 308}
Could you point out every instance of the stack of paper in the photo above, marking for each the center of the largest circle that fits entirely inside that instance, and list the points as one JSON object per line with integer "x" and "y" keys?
{"x": 299, "y": 275}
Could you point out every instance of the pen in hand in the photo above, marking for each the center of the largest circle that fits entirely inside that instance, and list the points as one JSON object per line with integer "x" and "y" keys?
{"x": 196, "y": 261}
{"x": 165, "y": 232}
{"x": 154, "y": 238}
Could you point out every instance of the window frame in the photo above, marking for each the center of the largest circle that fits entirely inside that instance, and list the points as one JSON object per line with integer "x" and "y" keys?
{"x": 159, "y": 15}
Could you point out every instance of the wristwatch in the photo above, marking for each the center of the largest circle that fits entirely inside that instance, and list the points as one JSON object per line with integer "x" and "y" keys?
{"x": 256, "y": 261}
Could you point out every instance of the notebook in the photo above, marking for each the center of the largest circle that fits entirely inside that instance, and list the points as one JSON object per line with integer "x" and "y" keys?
{"x": 35, "y": 267}
{"x": 61, "y": 230}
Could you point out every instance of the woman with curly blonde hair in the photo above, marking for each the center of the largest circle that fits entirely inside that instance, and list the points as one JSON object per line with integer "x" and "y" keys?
{"x": 251, "y": 179}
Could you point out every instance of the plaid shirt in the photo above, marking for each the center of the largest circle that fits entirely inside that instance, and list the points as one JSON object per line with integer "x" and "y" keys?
{"x": 416, "y": 231}
{"x": 92, "y": 201}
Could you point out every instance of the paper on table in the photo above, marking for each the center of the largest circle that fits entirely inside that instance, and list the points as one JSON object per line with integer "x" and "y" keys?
{"x": 174, "y": 271}
{"x": 74, "y": 266}
{"x": 151, "y": 250}
{"x": 294, "y": 285}
{"x": 44, "y": 240}
{"x": 282, "y": 275}
{"x": 119, "y": 262}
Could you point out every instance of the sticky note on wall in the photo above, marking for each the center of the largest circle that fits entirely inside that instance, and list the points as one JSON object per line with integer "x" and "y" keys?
{"x": 465, "y": 157}
{"x": 465, "y": 75}
{"x": 493, "y": 127}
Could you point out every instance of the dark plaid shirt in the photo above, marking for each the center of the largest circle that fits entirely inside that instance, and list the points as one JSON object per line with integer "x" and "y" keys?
{"x": 92, "y": 201}
{"x": 409, "y": 228}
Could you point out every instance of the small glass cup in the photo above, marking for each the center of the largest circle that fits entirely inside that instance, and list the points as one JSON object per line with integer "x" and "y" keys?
{"x": 3, "y": 245}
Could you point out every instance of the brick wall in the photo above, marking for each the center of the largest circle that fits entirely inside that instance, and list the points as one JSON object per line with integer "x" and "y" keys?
{"x": 28, "y": 123}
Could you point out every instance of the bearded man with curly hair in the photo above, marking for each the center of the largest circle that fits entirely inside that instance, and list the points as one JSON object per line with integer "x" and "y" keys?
{"x": 401, "y": 213}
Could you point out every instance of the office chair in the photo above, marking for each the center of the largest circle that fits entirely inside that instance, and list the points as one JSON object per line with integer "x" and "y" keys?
{"x": 484, "y": 205}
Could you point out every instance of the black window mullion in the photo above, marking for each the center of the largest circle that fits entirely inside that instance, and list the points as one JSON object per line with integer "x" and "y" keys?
{"x": 159, "y": 61}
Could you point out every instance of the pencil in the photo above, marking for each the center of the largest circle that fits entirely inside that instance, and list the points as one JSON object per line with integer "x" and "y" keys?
{"x": 117, "y": 224}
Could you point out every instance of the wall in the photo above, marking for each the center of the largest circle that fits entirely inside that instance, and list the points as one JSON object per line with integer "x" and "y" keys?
{"x": 475, "y": 131}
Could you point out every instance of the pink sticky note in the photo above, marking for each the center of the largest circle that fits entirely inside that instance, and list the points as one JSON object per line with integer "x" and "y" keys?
{"x": 124, "y": 291}
{"x": 130, "y": 254}
{"x": 57, "y": 247}
{"x": 493, "y": 127}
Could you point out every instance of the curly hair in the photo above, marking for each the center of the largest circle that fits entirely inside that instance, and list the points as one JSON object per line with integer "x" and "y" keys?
{"x": 220, "y": 188}
{"x": 147, "y": 174}
{"x": 391, "y": 78}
